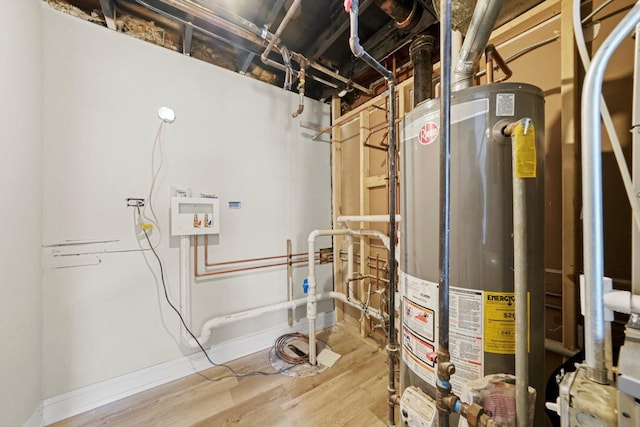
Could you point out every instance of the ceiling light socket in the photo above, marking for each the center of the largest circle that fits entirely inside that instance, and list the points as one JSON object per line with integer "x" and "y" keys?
{"x": 166, "y": 114}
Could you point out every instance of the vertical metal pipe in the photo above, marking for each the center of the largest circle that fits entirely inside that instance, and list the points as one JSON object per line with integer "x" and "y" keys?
{"x": 392, "y": 249}
{"x": 520, "y": 284}
{"x": 445, "y": 207}
{"x": 359, "y": 52}
{"x": 592, "y": 197}
{"x": 635, "y": 251}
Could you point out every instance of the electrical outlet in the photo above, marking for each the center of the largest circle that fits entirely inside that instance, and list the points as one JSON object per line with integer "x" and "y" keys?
{"x": 133, "y": 202}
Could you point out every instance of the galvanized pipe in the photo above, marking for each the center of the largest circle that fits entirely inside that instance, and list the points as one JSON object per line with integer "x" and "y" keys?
{"x": 358, "y": 50}
{"x": 484, "y": 19}
{"x": 635, "y": 251}
{"x": 228, "y": 21}
{"x": 443, "y": 388}
{"x": 292, "y": 10}
{"x": 592, "y": 195}
{"x": 520, "y": 284}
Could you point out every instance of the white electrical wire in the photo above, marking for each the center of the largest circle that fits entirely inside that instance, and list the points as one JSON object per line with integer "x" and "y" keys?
{"x": 606, "y": 118}
{"x": 155, "y": 173}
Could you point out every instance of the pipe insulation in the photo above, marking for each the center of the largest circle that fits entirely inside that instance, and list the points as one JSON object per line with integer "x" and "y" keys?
{"x": 592, "y": 195}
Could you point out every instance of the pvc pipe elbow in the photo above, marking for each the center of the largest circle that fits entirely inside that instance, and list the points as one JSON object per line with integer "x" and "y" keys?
{"x": 622, "y": 301}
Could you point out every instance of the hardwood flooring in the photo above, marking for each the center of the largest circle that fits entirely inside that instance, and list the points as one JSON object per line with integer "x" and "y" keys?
{"x": 351, "y": 393}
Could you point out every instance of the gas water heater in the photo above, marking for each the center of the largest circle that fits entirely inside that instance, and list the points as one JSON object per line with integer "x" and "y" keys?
{"x": 482, "y": 303}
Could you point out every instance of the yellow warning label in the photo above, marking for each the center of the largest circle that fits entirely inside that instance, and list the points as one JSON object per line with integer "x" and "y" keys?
{"x": 500, "y": 322}
{"x": 525, "y": 151}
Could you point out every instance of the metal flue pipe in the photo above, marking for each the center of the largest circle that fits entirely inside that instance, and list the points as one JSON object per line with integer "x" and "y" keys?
{"x": 421, "y": 52}
{"x": 359, "y": 52}
{"x": 482, "y": 22}
{"x": 592, "y": 196}
{"x": 445, "y": 367}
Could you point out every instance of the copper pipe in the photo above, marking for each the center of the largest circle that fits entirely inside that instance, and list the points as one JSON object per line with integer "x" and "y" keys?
{"x": 488, "y": 66}
{"x": 491, "y": 55}
{"x": 240, "y": 261}
{"x": 234, "y": 270}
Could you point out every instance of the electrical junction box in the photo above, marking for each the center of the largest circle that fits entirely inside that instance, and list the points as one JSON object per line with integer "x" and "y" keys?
{"x": 417, "y": 409}
{"x": 191, "y": 216}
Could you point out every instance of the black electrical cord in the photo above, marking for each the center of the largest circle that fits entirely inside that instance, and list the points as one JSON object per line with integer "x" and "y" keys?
{"x": 166, "y": 295}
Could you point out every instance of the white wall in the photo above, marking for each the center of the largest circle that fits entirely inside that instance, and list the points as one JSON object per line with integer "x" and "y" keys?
{"x": 20, "y": 215}
{"x": 233, "y": 137}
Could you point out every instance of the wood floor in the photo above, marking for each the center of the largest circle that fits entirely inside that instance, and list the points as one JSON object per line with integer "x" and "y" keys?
{"x": 351, "y": 393}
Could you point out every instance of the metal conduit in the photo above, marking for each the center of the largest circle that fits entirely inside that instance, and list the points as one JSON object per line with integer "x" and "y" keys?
{"x": 445, "y": 367}
{"x": 592, "y": 196}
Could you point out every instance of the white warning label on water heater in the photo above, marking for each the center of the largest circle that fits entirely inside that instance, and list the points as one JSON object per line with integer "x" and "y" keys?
{"x": 505, "y": 104}
{"x": 419, "y": 325}
{"x": 465, "y": 335}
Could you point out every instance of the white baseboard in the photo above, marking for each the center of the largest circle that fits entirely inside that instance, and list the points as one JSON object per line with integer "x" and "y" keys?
{"x": 37, "y": 418}
{"x": 90, "y": 397}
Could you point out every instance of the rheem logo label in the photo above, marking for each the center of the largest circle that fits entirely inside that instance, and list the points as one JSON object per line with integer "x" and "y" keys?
{"x": 428, "y": 133}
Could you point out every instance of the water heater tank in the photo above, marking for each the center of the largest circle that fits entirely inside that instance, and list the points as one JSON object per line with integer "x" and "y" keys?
{"x": 482, "y": 307}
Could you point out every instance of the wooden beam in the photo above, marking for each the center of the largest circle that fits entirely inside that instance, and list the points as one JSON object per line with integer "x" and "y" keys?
{"x": 336, "y": 201}
{"x": 375, "y": 181}
{"x": 569, "y": 152}
{"x": 365, "y": 328}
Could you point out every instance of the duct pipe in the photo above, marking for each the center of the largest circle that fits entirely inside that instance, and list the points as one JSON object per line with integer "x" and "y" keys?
{"x": 405, "y": 16}
{"x": 359, "y": 52}
{"x": 276, "y": 37}
{"x": 482, "y": 22}
{"x": 445, "y": 367}
{"x": 592, "y": 196}
{"x": 421, "y": 52}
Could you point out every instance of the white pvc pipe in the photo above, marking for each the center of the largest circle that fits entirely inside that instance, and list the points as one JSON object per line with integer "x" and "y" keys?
{"x": 366, "y": 310}
{"x": 622, "y": 301}
{"x": 185, "y": 289}
{"x": 312, "y": 299}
